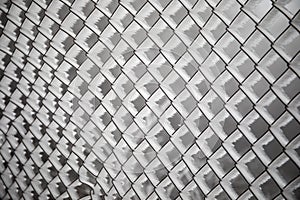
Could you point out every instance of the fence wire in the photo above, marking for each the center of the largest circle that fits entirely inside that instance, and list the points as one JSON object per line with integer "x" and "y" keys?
{"x": 149, "y": 99}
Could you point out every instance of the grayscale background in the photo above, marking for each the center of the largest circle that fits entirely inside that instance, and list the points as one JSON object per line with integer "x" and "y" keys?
{"x": 157, "y": 99}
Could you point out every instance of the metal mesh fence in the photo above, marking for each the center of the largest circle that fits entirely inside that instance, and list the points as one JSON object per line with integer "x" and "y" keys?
{"x": 157, "y": 99}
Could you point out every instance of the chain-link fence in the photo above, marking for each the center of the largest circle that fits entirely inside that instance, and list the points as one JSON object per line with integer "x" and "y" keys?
{"x": 157, "y": 99}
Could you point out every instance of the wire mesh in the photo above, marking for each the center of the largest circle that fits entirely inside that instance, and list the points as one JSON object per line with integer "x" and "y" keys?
{"x": 137, "y": 99}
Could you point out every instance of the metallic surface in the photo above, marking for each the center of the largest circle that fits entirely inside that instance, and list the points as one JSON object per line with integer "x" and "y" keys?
{"x": 157, "y": 99}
